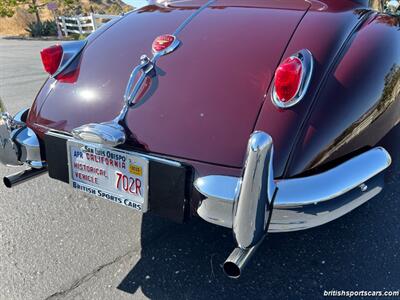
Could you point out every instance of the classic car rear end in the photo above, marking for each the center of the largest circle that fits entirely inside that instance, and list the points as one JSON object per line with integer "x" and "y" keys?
{"x": 267, "y": 123}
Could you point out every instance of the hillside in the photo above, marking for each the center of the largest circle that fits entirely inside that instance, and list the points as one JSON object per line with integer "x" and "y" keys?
{"x": 16, "y": 24}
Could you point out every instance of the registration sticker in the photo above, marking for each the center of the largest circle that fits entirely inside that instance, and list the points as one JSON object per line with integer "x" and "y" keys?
{"x": 135, "y": 169}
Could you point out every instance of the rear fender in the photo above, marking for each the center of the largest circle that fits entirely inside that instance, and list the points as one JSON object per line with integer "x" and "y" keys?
{"x": 359, "y": 102}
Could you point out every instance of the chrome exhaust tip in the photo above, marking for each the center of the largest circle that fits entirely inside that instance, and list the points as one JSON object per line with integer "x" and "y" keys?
{"x": 20, "y": 177}
{"x": 237, "y": 260}
{"x": 232, "y": 270}
{"x": 235, "y": 263}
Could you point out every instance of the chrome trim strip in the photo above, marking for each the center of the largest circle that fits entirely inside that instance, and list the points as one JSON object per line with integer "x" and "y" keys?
{"x": 307, "y": 70}
{"x": 159, "y": 159}
{"x": 192, "y": 16}
{"x": 300, "y": 203}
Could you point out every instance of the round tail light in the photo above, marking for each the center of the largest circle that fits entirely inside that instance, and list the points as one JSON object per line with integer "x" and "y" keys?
{"x": 291, "y": 79}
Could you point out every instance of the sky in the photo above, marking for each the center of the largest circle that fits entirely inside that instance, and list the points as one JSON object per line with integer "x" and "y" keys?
{"x": 135, "y": 3}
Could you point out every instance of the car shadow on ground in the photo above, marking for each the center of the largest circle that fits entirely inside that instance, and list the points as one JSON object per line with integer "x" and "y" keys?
{"x": 356, "y": 252}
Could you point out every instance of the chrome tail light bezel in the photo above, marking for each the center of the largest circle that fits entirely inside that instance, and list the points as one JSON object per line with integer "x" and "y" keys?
{"x": 70, "y": 51}
{"x": 307, "y": 62}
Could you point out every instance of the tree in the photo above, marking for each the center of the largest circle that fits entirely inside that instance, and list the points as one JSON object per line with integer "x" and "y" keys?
{"x": 34, "y": 9}
{"x": 7, "y": 7}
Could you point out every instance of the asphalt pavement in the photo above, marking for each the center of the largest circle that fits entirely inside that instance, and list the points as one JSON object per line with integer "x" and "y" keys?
{"x": 56, "y": 243}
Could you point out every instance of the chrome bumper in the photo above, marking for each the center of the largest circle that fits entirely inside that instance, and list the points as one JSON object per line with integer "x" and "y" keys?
{"x": 297, "y": 204}
{"x": 18, "y": 144}
{"x": 255, "y": 204}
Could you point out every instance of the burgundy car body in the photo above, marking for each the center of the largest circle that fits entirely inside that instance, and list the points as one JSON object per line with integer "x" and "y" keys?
{"x": 215, "y": 89}
{"x": 212, "y": 92}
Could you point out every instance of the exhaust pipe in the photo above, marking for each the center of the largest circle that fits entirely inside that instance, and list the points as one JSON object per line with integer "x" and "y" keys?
{"x": 237, "y": 261}
{"x": 20, "y": 177}
{"x": 253, "y": 204}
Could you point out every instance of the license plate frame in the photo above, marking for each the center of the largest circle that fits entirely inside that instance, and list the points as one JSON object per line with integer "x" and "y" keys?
{"x": 132, "y": 159}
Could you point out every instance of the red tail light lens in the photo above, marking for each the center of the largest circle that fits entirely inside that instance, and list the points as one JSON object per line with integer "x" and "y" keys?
{"x": 51, "y": 58}
{"x": 288, "y": 79}
{"x": 292, "y": 78}
{"x": 70, "y": 77}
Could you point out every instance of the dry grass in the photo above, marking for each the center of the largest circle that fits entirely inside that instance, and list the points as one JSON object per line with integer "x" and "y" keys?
{"x": 16, "y": 25}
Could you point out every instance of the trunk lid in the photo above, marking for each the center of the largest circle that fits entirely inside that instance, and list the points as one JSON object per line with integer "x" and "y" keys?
{"x": 205, "y": 100}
